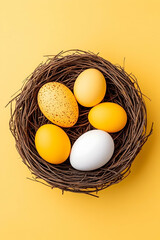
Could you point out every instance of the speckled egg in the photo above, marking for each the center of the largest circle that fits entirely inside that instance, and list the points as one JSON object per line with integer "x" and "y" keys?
{"x": 58, "y": 104}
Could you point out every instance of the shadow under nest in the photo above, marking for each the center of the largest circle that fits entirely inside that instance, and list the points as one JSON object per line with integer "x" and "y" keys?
{"x": 26, "y": 118}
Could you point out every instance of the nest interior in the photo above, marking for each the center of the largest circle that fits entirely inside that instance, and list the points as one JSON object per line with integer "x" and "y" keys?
{"x": 26, "y": 118}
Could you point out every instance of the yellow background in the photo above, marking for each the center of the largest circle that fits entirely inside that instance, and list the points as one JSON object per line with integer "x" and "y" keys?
{"x": 30, "y": 29}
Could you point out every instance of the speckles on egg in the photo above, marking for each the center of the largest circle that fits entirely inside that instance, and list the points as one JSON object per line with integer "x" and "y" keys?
{"x": 58, "y": 104}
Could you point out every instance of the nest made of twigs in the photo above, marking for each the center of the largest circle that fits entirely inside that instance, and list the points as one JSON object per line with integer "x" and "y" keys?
{"x": 122, "y": 88}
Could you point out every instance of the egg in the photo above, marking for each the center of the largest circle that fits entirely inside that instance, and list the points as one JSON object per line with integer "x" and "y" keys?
{"x": 52, "y": 143}
{"x": 58, "y": 104}
{"x": 92, "y": 150}
{"x": 89, "y": 87}
{"x": 108, "y": 116}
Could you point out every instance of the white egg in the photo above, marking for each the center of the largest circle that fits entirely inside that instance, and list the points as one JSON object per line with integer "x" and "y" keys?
{"x": 91, "y": 150}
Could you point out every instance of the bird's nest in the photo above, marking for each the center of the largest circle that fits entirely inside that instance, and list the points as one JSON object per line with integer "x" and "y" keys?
{"x": 26, "y": 118}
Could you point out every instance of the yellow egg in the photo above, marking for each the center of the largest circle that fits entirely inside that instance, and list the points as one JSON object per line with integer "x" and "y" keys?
{"x": 52, "y": 143}
{"x": 90, "y": 87}
{"x": 58, "y": 104}
{"x": 108, "y": 116}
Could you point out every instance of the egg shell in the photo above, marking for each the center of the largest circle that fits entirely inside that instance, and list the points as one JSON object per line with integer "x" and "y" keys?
{"x": 90, "y": 87}
{"x": 108, "y": 116}
{"x": 58, "y": 104}
{"x": 91, "y": 150}
{"x": 49, "y": 141}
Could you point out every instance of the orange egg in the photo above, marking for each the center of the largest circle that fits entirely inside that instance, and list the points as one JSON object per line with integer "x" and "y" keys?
{"x": 52, "y": 143}
{"x": 90, "y": 87}
{"x": 108, "y": 116}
